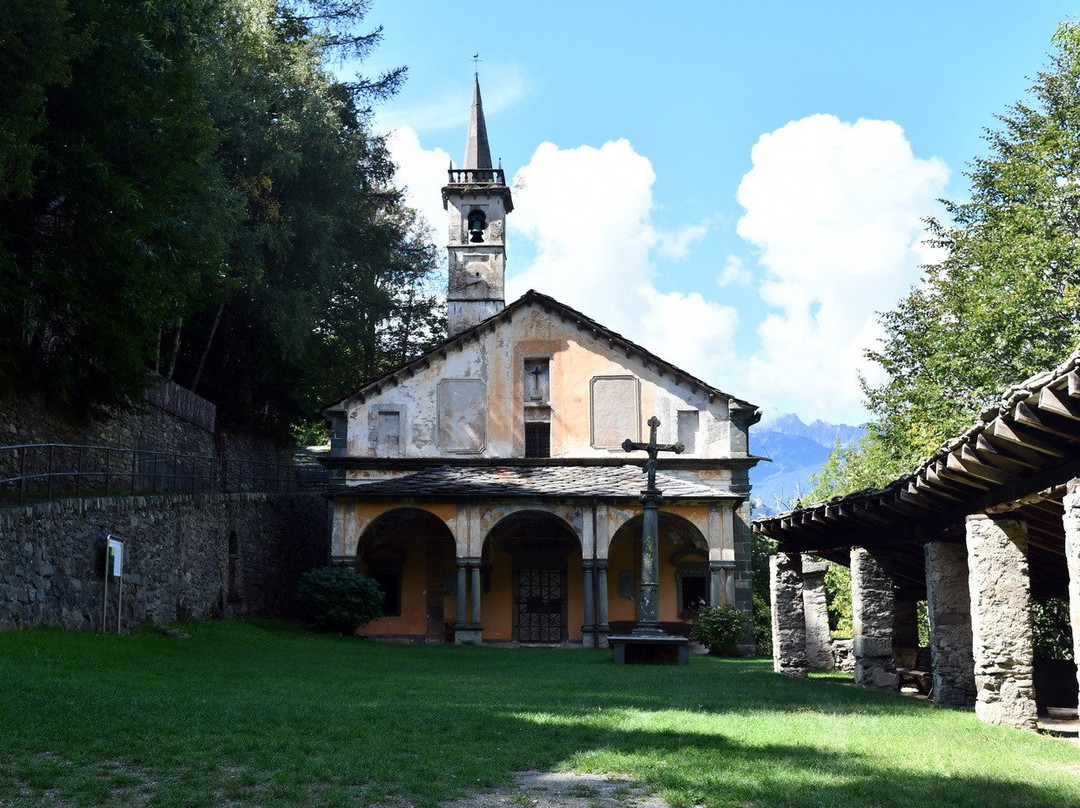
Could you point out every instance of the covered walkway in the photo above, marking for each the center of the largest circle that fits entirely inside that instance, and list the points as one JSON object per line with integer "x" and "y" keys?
{"x": 979, "y": 530}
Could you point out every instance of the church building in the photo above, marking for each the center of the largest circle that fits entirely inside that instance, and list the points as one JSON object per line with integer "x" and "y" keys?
{"x": 485, "y": 487}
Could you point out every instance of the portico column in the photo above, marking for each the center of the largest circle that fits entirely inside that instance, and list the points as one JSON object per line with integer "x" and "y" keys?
{"x": 1071, "y": 521}
{"x": 788, "y": 626}
{"x": 872, "y": 603}
{"x": 1001, "y": 621}
{"x": 716, "y": 583}
{"x": 588, "y": 631}
{"x": 462, "y": 593}
{"x": 948, "y": 606}
{"x": 819, "y": 655}
{"x": 474, "y": 564}
{"x": 602, "y": 628}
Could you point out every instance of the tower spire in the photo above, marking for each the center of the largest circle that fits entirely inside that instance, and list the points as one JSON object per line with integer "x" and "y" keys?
{"x": 477, "y": 151}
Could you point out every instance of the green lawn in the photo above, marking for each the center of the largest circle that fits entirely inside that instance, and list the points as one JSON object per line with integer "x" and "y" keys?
{"x": 268, "y": 714}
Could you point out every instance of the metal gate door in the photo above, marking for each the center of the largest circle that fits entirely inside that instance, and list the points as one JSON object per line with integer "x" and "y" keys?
{"x": 540, "y": 605}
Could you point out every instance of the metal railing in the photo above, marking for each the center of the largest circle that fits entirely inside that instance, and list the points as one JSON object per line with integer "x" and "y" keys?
{"x": 43, "y": 472}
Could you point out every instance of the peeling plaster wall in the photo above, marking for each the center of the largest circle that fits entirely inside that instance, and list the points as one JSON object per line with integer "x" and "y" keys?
{"x": 497, "y": 359}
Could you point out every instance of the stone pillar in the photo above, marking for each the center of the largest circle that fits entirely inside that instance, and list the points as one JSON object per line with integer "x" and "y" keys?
{"x": 740, "y": 583}
{"x": 716, "y": 583}
{"x": 872, "y": 603}
{"x": 462, "y": 594}
{"x": 788, "y": 626}
{"x": 588, "y": 631}
{"x": 1071, "y": 520}
{"x": 602, "y": 627}
{"x": 468, "y": 628}
{"x": 819, "y": 655}
{"x": 1001, "y": 621}
{"x": 474, "y": 592}
{"x": 948, "y": 606}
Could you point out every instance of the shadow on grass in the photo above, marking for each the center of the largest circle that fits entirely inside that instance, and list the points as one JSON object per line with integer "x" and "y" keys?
{"x": 268, "y": 715}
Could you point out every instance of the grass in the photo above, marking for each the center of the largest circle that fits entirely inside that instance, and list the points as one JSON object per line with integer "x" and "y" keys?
{"x": 262, "y": 714}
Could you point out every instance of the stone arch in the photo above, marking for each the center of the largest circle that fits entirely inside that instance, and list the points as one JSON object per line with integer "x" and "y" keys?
{"x": 531, "y": 572}
{"x": 684, "y": 569}
{"x": 410, "y": 552}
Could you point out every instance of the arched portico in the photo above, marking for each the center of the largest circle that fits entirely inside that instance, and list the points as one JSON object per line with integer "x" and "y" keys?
{"x": 531, "y": 573}
{"x": 689, "y": 576}
{"x": 410, "y": 554}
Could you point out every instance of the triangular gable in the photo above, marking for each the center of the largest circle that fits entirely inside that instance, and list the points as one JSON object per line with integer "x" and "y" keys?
{"x": 583, "y": 324}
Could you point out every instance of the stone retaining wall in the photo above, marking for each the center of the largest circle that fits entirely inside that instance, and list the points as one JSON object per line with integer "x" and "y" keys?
{"x": 185, "y": 557}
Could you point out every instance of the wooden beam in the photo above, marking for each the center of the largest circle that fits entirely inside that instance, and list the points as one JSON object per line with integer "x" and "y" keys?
{"x": 1059, "y": 404}
{"x": 1005, "y": 455}
{"x": 1046, "y": 421}
{"x": 1072, "y": 382}
{"x": 972, "y": 463}
{"x": 1025, "y": 438}
{"x": 952, "y": 479}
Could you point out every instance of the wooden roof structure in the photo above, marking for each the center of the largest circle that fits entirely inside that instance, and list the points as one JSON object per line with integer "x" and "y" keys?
{"x": 1015, "y": 461}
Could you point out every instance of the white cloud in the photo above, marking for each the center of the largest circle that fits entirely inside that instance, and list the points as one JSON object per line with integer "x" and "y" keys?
{"x": 836, "y": 210}
{"x": 676, "y": 246}
{"x": 734, "y": 273}
{"x": 588, "y": 210}
{"x": 422, "y": 172}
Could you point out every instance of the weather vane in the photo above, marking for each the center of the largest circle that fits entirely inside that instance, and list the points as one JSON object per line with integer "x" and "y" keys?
{"x": 476, "y": 63}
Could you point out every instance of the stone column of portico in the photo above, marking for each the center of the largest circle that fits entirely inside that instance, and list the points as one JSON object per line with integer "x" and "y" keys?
{"x": 948, "y": 605}
{"x": 588, "y": 631}
{"x": 872, "y": 604}
{"x": 462, "y": 594}
{"x": 1001, "y": 621}
{"x": 819, "y": 655}
{"x": 467, "y": 629}
{"x": 1071, "y": 521}
{"x": 788, "y": 625}
{"x": 716, "y": 583}
{"x": 602, "y": 627}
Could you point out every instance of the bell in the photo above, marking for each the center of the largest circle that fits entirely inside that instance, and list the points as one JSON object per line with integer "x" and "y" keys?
{"x": 476, "y": 227}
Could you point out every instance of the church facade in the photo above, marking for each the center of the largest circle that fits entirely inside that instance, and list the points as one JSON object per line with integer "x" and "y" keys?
{"x": 484, "y": 484}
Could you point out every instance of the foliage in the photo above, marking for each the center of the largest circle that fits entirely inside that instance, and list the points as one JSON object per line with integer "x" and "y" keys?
{"x": 838, "y": 600}
{"x": 1052, "y": 631}
{"x": 186, "y": 190}
{"x": 338, "y": 599}
{"x": 1003, "y": 303}
{"x": 719, "y": 628}
{"x": 258, "y": 714}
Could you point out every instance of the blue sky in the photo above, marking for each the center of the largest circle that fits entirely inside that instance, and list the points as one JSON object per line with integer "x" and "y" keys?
{"x": 737, "y": 188}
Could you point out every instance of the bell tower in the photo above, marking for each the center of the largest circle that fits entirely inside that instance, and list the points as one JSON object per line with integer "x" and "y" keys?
{"x": 476, "y": 200}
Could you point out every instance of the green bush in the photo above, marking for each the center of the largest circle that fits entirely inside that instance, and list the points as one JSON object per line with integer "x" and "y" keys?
{"x": 338, "y": 599}
{"x": 719, "y": 628}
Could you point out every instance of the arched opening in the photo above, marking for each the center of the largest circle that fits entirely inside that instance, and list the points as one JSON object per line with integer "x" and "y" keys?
{"x": 409, "y": 552}
{"x": 683, "y": 573}
{"x": 533, "y": 579}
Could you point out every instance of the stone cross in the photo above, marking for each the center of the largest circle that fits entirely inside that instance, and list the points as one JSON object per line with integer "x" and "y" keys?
{"x": 652, "y": 448}
{"x": 648, "y": 610}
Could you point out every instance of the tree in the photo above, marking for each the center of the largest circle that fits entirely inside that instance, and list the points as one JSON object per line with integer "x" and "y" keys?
{"x": 187, "y": 190}
{"x": 1003, "y": 303}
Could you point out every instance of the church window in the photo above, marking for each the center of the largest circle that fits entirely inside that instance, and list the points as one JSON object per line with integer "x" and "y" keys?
{"x": 536, "y": 395}
{"x": 538, "y": 439}
{"x": 688, "y": 427}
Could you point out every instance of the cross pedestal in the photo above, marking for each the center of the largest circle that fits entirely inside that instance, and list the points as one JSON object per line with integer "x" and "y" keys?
{"x": 648, "y": 643}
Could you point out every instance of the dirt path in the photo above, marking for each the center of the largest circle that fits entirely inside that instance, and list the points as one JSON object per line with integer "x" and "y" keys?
{"x": 564, "y": 790}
